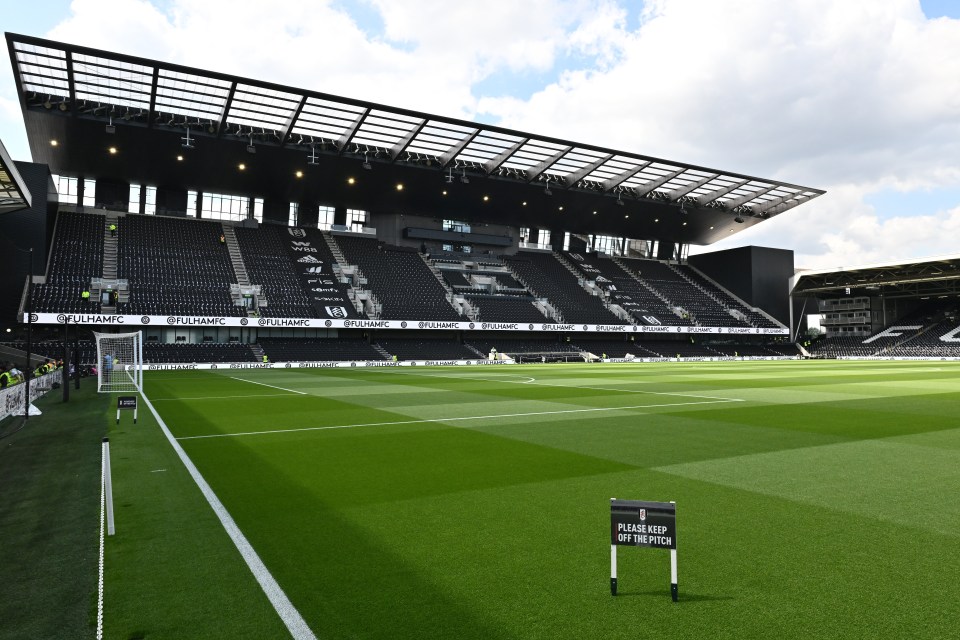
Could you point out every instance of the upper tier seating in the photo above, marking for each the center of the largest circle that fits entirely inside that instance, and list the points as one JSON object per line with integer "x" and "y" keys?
{"x": 699, "y": 305}
{"x": 176, "y": 267}
{"x": 76, "y": 257}
{"x": 504, "y": 308}
{"x": 640, "y": 302}
{"x": 268, "y": 265}
{"x": 319, "y": 350}
{"x": 754, "y": 317}
{"x": 547, "y": 278}
{"x": 400, "y": 279}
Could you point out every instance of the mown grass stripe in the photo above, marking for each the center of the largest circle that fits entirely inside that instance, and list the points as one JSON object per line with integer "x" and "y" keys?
{"x": 455, "y": 419}
{"x": 292, "y": 619}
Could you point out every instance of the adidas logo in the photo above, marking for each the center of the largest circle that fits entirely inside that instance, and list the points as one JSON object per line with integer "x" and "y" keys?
{"x": 308, "y": 259}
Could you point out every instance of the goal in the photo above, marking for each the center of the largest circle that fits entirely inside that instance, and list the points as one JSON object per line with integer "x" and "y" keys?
{"x": 119, "y": 362}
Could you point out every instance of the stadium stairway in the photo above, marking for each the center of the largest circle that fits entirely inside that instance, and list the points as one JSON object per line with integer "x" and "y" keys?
{"x": 459, "y": 302}
{"x": 257, "y": 351}
{"x": 386, "y": 354}
{"x": 236, "y": 257}
{"x": 109, "y": 248}
{"x": 645, "y": 285}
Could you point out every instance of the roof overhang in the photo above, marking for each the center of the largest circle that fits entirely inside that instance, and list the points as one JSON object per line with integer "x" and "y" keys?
{"x": 938, "y": 276}
{"x": 89, "y": 100}
{"x": 14, "y": 195}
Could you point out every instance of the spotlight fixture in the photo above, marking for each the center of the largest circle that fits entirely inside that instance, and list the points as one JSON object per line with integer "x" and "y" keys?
{"x": 366, "y": 163}
{"x": 683, "y": 211}
{"x": 619, "y": 201}
{"x": 47, "y": 104}
{"x": 486, "y": 198}
{"x": 351, "y": 180}
{"x": 179, "y": 158}
{"x": 211, "y": 128}
{"x": 250, "y": 147}
{"x": 299, "y": 174}
{"x": 187, "y": 140}
{"x": 546, "y": 190}
{"x": 399, "y": 186}
{"x": 463, "y": 177}
{"x": 110, "y": 127}
{"x": 242, "y": 167}
{"x": 738, "y": 220}
{"x": 62, "y": 106}
{"x": 113, "y": 151}
{"x": 54, "y": 143}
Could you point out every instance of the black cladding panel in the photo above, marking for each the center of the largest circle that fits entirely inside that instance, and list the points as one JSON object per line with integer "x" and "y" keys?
{"x": 757, "y": 275}
{"x": 20, "y": 231}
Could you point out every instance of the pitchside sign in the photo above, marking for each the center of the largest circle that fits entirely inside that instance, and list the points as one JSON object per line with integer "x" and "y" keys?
{"x": 639, "y": 523}
{"x": 128, "y": 403}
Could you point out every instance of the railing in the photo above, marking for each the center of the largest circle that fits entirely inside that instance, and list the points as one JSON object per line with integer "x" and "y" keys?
{"x": 12, "y": 398}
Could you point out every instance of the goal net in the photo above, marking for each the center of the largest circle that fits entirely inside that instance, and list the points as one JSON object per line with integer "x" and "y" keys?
{"x": 119, "y": 362}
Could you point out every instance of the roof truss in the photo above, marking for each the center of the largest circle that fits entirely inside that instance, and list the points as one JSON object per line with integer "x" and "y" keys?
{"x": 90, "y": 83}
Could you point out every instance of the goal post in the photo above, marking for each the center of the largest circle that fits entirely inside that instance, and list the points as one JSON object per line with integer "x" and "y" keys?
{"x": 119, "y": 362}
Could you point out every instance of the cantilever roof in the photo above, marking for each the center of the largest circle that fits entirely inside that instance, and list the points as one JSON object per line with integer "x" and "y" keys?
{"x": 933, "y": 276}
{"x": 14, "y": 195}
{"x": 125, "y": 90}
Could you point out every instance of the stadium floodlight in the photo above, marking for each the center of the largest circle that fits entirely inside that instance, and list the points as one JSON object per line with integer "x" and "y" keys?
{"x": 366, "y": 163}
{"x": 119, "y": 362}
{"x": 619, "y": 201}
{"x": 250, "y": 147}
{"x": 110, "y": 127}
{"x": 546, "y": 190}
{"x": 463, "y": 177}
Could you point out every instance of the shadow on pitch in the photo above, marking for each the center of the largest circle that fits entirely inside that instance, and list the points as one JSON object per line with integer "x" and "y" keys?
{"x": 665, "y": 594}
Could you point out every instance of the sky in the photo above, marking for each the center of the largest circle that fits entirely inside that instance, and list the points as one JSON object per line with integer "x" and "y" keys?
{"x": 857, "y": 97}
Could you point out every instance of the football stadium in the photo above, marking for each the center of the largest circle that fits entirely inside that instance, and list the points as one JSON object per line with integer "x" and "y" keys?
{"x": 285, "y": 364}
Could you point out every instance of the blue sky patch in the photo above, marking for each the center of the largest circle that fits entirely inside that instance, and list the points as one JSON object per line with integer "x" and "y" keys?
{"x": 890, "y": 203}
{"x": 941, "y": 9}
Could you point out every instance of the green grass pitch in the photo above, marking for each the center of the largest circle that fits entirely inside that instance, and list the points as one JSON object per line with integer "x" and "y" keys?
{"x": 814, "y": 499}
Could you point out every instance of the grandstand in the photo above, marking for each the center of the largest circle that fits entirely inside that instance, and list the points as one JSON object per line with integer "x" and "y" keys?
{"x": 210, "y": 252}
{"x": 266, "y": 258}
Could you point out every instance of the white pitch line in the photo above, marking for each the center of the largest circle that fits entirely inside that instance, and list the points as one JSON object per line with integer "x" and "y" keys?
{"x": 302, "y": 393}
{"x": 456, "y": 419}
{"x": 254, "y": 395}
{"x": 294, "y": 622}
{"x": 561, "y": 386}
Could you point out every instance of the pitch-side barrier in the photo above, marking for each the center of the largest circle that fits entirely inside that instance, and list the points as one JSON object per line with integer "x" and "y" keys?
{"x": 408, "y": 363}
{"x": 12, "y": 398}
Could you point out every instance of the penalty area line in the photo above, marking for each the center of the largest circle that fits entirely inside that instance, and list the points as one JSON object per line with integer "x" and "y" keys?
{"x": 457, "y": 419}
{"x": 294, "y": 622}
